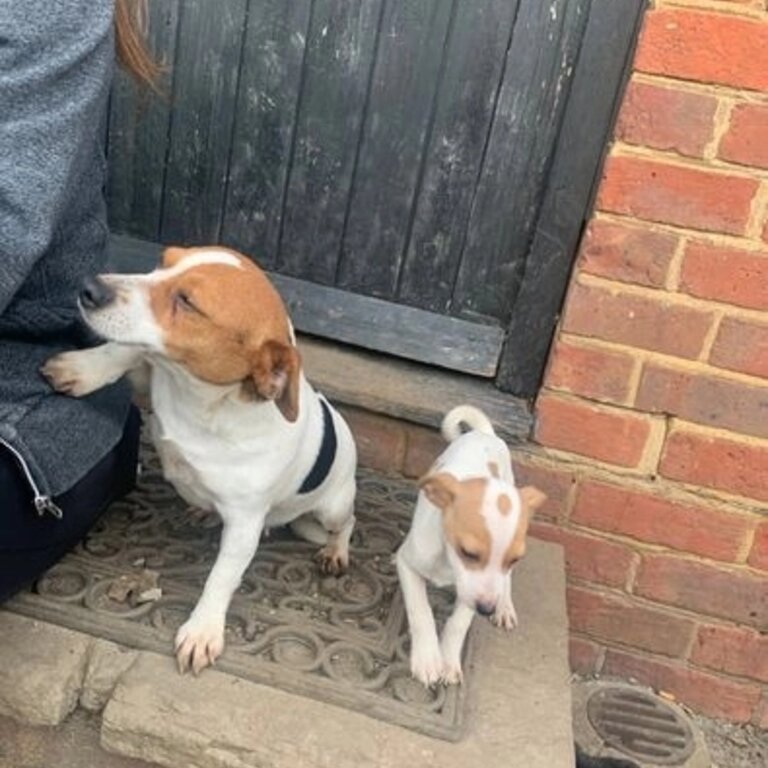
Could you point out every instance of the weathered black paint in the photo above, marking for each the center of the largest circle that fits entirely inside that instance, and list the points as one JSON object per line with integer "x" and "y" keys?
{"x": 414, "y": 172}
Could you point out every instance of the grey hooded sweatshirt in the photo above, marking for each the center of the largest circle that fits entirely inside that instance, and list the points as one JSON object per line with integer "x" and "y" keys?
{"x": 56, "y": 64}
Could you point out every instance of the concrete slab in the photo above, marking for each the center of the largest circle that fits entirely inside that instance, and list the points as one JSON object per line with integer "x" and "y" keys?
{"x": 519, "y": 708}
{"x": 41, "y": 669}
{"x": 73, "y": 744}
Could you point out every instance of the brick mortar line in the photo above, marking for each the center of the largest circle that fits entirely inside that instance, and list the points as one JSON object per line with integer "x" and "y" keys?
{"x": 716, "y": 166}
{"x": 675, "y": 266}
{"x": 675, "y": 611}
{"x": 695, "y": 86}
{"x": 746, "y": 547}
{"x": 719, "y": 432}
{"x": 669, "y": 298}
{"x": 661, "y": 487}
{"x": 645, "y": 356}
{"x": 616, "y": 474}
{"x": 739, "y": 242}
{"x": 642, "y": 547}
{"x": 750, "y": 12}
{"x": 709, "y": 340}
{"x": 633, "y": 382}
{"x": 721, "y": 124}
{"x": 684, "y": 661}
{"x": 758, "y": 215}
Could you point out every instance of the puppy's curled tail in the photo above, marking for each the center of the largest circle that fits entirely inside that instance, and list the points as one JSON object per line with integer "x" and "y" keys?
{"x": 467, "y": 415}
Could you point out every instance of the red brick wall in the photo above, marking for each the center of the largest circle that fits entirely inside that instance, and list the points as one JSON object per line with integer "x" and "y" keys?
{"x": 653, "y": 421}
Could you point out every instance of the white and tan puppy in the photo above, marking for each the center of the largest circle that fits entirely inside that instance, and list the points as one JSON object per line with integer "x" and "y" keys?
{"x": 238, "y": 428}
{"x": 468, "y": 530}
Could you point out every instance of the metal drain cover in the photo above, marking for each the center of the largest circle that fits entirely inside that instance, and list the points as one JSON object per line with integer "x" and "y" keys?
{"x": 640, "y": 725}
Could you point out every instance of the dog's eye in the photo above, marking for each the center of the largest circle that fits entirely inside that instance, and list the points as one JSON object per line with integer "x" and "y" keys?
{"x": 468, "y": 555}
{"x": 511, "y": 562}
{"x": 183, "y": 301}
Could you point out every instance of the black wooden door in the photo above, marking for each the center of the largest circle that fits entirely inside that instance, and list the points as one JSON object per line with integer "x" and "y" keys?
{"x": 414, "y": 173}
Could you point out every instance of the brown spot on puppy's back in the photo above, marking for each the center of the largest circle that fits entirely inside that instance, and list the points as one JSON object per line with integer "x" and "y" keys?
{"x": 493, "y": 468}
{"x": 504, "y": 503}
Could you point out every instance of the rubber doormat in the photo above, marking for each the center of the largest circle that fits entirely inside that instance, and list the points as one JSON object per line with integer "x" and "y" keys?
{"x": 340, "y": 640}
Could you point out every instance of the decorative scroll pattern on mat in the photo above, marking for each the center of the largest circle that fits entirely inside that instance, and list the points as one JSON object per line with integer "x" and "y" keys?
{"x": 342, "y": 640}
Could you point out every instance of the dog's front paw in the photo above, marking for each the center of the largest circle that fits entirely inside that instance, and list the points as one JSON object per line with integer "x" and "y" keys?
{"x": 332, "y": 560}
{"x": 505, "y": 616}
{"x": 67, "y": 373}
{"x": 452, "y": 674}
{"x": 427, "y": 663}
{"x": 198, "y": 644}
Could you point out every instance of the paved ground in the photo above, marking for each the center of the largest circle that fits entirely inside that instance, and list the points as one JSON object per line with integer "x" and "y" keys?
{"x": 74, "y": 744}
{"x": 518, "y": 709}
{"x": 734, "y": 746}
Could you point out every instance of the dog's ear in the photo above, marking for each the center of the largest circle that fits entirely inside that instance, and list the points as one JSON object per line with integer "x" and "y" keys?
{"x": 441, "y": 489}
{"x": 275, "y": 369}
{"x": 531, "y": 499}
{"x": 172, "y": 256}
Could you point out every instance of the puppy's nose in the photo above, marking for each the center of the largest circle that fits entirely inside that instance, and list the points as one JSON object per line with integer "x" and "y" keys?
{"x": 485, "y": 607}
{"x": 96, "y": 293}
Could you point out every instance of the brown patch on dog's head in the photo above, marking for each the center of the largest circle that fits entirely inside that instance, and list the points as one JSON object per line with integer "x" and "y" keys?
{"x": 493, "y": 468}
{"x": 461, "y": 502}
{"x": 226, "y": 323}
{"x": 173, "y": 255}
{"x": 531, "y": 499}
{"x": 504, "y": 503}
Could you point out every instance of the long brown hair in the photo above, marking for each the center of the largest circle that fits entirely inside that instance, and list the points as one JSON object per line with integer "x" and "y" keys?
{"x": 130, "y": 44}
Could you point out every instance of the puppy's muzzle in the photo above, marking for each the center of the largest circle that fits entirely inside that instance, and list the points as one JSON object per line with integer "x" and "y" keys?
{"x": 96, "y": 294}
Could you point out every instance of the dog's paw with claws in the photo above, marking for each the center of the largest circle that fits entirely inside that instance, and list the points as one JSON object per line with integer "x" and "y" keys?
{"x": 505, "y": 617}
{"x": 198, "y": 645}
{"x": 332, "y": 562}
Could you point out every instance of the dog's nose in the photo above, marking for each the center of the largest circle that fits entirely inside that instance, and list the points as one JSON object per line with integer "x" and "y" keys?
{"x": 485, "y": 607}
{"x": 96, "y": 293}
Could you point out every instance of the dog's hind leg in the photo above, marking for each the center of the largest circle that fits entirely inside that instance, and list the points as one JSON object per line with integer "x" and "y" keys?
{"x": 337, "y": 518}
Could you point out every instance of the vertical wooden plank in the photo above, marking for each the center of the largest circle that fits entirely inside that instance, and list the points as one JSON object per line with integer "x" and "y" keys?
{"x": 138, "y": 134}
{"x": 474, "y": 63}
{"x": 529, "y": 111}
{"x": 401, "y": 101}
{"x": 593, "y": 103}
{"x": 337, "y": 69}
{"x": 267, "y": 99}
{"x": 206, "y": 75}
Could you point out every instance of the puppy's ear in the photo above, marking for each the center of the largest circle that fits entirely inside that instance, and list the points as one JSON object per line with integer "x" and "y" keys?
{"x": 441, "y": 489}
{"x": 172, "y": 256}
{"x": 275, "y": 371}
{"x": 532, "y": 499}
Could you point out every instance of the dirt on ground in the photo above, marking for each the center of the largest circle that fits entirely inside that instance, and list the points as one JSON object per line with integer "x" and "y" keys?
{"x": 74, "y": 744}
{"x": 734, "y": 746}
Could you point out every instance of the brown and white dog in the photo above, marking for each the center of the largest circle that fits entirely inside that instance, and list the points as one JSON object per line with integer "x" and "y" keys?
{"x": 469, "y": 530}
{"x": 238, "y": 428}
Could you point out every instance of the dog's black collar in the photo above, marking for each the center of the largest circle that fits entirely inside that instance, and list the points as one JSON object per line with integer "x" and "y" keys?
{"x": 325, "y": 456}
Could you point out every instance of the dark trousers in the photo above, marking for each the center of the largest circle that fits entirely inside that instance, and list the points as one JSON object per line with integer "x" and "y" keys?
{"x": 30, "y": 544}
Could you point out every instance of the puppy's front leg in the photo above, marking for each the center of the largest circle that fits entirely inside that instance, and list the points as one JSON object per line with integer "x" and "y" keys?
{"x": 505, "y": 615}
{"x": 452, "y": 641}
{"x": 200, "y": 640}
{"x": 426, "y": 657}
{"x": 83, "y": 371}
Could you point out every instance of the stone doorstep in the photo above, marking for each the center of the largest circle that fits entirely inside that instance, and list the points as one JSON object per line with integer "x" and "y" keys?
{"x": 519, "y": 701}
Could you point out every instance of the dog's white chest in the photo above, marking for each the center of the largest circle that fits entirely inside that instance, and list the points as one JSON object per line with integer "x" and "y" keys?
{"x": 178, "y": 471}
